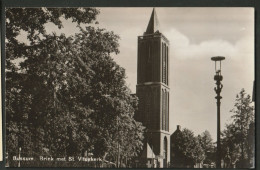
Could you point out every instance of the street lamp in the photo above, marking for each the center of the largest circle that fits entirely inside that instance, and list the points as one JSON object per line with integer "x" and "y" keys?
{"x": 218, "y": 78}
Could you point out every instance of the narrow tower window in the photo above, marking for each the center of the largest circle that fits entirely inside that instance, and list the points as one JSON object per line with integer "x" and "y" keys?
{"x": 148, "y": 62}
{"x": 165, "y": 152}
{"x": 164, "y": 63}
{"x": 162, "y": 60}
{"x": 167, "y": 66}
{"x": 163, "y": 109}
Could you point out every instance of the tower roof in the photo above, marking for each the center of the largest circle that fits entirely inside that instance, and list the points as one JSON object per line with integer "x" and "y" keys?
{"x": 153, "y": 24}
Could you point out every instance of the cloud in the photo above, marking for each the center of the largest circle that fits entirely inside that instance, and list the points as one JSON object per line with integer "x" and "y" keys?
{"x": 191, "y": 79}
{"x": 182, "y": 48}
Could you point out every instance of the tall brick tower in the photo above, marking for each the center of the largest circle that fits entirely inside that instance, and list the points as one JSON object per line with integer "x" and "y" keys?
{"x": 153, "y": 90}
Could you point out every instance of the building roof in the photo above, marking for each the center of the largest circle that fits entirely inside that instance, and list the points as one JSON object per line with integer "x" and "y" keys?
{"x": 153, "y": 24}
{"x": 177, "y": 132}
{"x": 147, "y": 152}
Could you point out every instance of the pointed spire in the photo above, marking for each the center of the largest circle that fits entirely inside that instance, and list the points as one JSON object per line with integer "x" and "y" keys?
{"x": 153, "y": 24}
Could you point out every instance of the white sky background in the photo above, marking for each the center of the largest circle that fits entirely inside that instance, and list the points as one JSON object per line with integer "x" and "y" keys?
{"x": 195, "y": 34}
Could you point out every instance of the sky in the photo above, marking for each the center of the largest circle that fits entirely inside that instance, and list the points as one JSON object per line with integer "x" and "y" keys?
{"x": 195, "y": 35}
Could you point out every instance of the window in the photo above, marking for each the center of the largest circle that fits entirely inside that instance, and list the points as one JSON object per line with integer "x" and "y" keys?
{"x": 165, "y": 152}
{"x": 164, "y": 63}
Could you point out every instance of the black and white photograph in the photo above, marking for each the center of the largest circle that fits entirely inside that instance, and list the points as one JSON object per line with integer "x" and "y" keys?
{"x": 130, "y": 87}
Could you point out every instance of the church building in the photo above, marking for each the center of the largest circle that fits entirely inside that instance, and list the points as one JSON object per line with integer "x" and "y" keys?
{"x": 152, "y": 89}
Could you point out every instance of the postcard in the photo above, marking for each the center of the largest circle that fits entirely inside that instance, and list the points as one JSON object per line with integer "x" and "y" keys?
{"x": 129, "y": 87}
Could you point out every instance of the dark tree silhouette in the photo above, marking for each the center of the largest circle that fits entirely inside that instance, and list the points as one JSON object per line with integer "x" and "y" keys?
{"x": 66, "y": 95}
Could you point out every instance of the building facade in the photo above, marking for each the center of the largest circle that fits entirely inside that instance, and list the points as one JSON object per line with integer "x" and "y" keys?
{"x": 153, "y": 90}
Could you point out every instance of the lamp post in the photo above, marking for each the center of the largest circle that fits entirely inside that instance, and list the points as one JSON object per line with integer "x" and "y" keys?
{"x": 218, "y": 78}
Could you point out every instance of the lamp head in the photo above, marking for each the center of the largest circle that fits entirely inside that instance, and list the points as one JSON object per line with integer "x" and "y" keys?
{"x": 218, "y": 59}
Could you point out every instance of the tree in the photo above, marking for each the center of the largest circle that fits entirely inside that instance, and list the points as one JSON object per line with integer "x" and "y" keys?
{"x": 236, "y": 135}
{"x": 67, "y": 93}
{"x": 206, "y": 143}
{"x": 110, "y": 98}
{"x": 32, "y": 21}
{"x": 230, "y": 148}
{"x": 188, "y": 148}
{"x": 30, "y": 85}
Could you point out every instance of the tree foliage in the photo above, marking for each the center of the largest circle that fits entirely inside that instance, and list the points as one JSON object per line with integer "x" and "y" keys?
{"x": 206, "y": 143}
{"x": 67, "y": 95}
{"x": 187, "y": 148}
{"x": 236, "y": 136}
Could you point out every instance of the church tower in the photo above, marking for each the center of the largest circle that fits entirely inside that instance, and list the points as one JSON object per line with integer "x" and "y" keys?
{"x": 153, "y": 90}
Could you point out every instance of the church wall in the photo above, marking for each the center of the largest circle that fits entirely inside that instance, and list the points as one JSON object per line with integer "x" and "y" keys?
{"x": 162, "y": 136}
{"x": 154, "y": 141}
{"x": 149, "y": 105}
{"x": 164, "y": 108}
{"x": 148, "y": 62}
